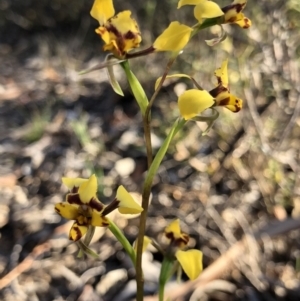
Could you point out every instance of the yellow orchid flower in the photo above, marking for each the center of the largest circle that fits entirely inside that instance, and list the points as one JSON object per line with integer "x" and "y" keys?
{"x": 222, "y": 93}
{"x": 174, "y": 38}
{"x": 190, "y": 260}
{"x": 83, "y": 206}
{"x": 204, "y": 9}
{"x": 233, "y": 14}
{"x": 175, "y": 236}
{"x": 120, "y": 32}
{"x": 194, "y": 101}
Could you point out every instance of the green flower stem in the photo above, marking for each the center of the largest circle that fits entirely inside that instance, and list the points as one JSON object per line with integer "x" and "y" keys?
{"x": 136, "y": 88}
{"x": 85, "y": 249}
{"x": 178, "y": 124}
{"x": 123, "y": 240}
{"x": 87, "y": 240}
{"x": 166, "y": 272}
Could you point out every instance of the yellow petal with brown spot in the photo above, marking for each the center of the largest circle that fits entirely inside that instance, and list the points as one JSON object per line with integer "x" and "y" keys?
{"x": 67, "y": 211}
{"x": 98, "y": 220}
{"x": 174, "y": 227}
{"x": 222, "y": 74}
{"x": 77, "y": 231}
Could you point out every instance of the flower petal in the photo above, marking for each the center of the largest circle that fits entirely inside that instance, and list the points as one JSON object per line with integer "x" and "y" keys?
{"x": 244, "y": 22}
{"x": 174, "y": 38}
{"x": 229, "y": 101}
{"x": 174, "y": 228}
{"x": 77, "y": 231}
{"x": 127, "y": 205}
{"x": 189, "y": 2}
{"x": 192, "y": 102}
{"x": 98, "y": 220}
{"x": 102, "y": 10}
{"x": 191, "y": 262}
{"x": 88, "y": 189}
{"x": 175, "y": 236}
{"x": 207, "y": 10}
{"x": 66, "y": 210}
{"x": 73, "y": 182}
{"x": 222, "y": 74}
{"x": 120, "y": 34}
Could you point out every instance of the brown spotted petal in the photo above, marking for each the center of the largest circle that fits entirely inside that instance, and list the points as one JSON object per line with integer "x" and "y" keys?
{"x": 227, "y": 100}
{"x": 120, "y": 34}
{"x": 233, "y": 14}
{"x": 67, "y": 211}
{"x": 77, "y": 231}
{"x": 98, "y": 220}
{"x": 174, "y": 234}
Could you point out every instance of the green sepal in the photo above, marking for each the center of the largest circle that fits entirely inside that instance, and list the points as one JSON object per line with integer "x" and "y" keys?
{"x": 136, "y": 88}
{"x": 210, "y": 120}
{"x": 87, "y": 240}
{"x": 111, "y": 76}
{"x": 85, "y": 249}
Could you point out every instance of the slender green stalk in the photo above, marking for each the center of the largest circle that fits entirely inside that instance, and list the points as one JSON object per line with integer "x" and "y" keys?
{"x": 123, "y": 240}
{"x": 87, "y": 240}
{"x": 166, "y": 272}
{"x": 136, "y": 87}
{"x": 178, "y": 124}
{"x": 85, "y": 249}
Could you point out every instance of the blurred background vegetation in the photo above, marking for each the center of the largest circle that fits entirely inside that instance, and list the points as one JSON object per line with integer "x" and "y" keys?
{"x": 241, "y": 177}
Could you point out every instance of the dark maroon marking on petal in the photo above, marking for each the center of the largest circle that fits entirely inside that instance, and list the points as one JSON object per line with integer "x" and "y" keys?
{"x": 170, "y": 235}
{"x": 129, "y": 35}
{"x": 73, "y": 198}
{"x": 74, "y": 189}
{"x": 231, "y": 20}
{"x": 181, "y": 241}
{"x": 224, "y": 102}
{"x": 238, "y": 7}
{"x": 105, "y": 222}
{"x": 57, "y": 210}
{"x": 96, "y": 204}
{"x": 78, "y": 233}
{"x": 111, "y": 207}
{"x": 247, "y": 23}
{"x": 218, "y": 90}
